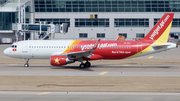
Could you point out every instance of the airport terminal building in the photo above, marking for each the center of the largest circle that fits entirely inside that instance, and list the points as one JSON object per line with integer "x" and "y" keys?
{"x": 92, "y": 19}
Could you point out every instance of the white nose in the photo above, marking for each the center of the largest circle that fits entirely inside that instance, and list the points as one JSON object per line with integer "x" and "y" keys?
{"x": 6, "y": 51}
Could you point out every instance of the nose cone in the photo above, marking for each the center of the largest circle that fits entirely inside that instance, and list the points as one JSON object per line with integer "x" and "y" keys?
{"x": 6, "y": 52}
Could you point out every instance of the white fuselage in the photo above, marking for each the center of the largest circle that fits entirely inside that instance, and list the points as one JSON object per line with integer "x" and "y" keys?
{"x": 38, "y": 49}
{"x": 44, "y": 49}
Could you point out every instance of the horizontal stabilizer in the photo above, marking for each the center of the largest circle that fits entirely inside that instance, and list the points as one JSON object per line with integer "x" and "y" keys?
{"x": 158, "y": 47}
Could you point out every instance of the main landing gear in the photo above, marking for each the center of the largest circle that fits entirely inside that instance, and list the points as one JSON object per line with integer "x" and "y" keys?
{"x": 82, "y": 65}
{"x": 26, "y": 64}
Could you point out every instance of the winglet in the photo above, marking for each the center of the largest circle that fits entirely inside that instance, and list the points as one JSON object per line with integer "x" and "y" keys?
{"x": 96, "y": 44}
{"x": 118, "y": 37}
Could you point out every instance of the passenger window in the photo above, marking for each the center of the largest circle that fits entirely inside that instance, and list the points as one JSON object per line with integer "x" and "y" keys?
{"x": 29, "y": 46}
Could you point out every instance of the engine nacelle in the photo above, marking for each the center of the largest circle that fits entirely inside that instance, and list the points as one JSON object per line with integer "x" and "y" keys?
{"x": 60, "y": 60}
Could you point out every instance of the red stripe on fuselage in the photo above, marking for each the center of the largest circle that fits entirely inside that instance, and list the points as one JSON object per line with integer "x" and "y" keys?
{"x": 112, "y": 49}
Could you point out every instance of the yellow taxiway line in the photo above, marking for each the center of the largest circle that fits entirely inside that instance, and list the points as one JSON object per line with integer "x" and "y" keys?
{"x": 43, "y": 93}
{"x": 126, "y": 65}
{"x": 103, "y": 73}
{"x": 150, "y": 57}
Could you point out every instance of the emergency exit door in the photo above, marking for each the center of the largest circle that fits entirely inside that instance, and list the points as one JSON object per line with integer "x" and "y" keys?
{"x": 139, "y": 47}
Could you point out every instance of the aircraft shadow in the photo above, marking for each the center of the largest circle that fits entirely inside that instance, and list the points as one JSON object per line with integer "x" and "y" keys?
{"x": 29, "y": 66}
{"x": 74, "y": 67}
{"x": 143, "y": 66}
{"x": 94, "y": 66}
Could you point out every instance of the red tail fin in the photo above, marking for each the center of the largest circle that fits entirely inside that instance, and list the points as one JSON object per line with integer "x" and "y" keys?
{"x": 161, "y": 29}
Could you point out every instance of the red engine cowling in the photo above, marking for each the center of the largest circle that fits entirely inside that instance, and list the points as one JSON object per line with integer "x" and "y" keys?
{"x": 60, "y": 60}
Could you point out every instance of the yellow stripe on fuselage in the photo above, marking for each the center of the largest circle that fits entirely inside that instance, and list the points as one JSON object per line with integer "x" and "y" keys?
{"x": 73, "y": 43}
{"x": 160, "y": 41}
{"x": 68, "y": 46}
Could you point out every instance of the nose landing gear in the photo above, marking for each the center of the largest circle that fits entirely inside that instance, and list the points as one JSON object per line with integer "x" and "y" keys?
{"x": 26, "y": 64}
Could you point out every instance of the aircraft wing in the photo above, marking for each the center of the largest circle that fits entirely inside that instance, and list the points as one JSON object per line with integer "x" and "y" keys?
{"x": 82, "y": 53}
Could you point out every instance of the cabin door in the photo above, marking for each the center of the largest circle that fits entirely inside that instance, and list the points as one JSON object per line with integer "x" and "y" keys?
{"x": 25, "y": 47}
{"x": 139, "y": 47}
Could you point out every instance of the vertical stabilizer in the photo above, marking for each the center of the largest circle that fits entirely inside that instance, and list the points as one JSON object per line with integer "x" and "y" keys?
{"x": 160, "y": 31}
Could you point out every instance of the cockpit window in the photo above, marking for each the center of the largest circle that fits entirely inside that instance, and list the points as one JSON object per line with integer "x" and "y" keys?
{"x": 14, "y": 46}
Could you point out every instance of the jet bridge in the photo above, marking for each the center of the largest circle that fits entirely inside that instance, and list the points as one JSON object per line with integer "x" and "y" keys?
{"x": 43, "y": 31}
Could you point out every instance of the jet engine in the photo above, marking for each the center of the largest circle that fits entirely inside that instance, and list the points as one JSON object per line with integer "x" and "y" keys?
{"x": 60, "y": 60}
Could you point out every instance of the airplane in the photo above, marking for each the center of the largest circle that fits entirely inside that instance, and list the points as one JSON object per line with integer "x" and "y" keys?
{"x": 62, "y": 52}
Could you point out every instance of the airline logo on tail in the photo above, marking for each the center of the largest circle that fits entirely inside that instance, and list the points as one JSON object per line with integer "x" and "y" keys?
{"x": 159, "y": 27}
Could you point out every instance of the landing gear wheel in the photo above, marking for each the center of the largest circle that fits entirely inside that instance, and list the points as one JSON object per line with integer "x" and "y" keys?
{"x": 82, "y": 66}
{"x": 26, "y": 65}
{"x": 87, "y": 64}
